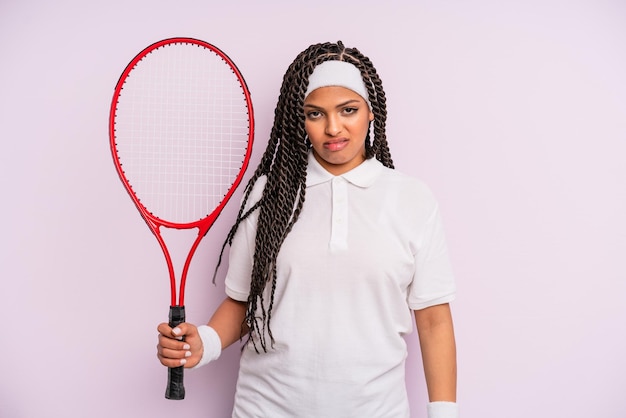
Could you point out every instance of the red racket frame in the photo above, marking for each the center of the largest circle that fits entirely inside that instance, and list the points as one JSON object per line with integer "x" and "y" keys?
{"x": 175, "y": 388}
{"x": 154, "y": 223}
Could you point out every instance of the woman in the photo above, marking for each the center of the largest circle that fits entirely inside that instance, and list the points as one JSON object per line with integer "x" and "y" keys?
{"x": 332, "y": 253}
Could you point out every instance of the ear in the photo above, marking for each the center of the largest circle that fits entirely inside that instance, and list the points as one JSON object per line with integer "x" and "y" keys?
{"x": 371, "y": 116}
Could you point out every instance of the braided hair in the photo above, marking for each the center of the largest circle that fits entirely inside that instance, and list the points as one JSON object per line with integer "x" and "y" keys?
{"x": 284, "y": 164}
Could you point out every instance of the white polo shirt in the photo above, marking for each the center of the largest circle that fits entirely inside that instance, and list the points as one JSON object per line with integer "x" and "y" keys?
{"x": 367, "y": 249}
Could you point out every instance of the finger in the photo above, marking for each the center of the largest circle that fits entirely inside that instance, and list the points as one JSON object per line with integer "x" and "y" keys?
{"x": 164, "y": 329}
{"x": 172, "y": 343}
{"x": 184, "y": 329}
{"x": 178, "y": 332}
{"x": 173, "y": 354}
{"x": 176, "y": 358}
{"x": 172, "y": 362}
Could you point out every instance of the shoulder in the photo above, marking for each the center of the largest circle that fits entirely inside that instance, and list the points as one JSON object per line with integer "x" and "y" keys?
{"x": 411, "y": 189}
{"x": 407, "y": 200}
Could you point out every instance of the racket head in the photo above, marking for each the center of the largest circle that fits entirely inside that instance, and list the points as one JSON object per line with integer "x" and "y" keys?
{"x": 181, "y": 129}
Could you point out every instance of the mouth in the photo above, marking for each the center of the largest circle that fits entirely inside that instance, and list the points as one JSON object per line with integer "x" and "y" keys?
{"x": 336, "y": 144}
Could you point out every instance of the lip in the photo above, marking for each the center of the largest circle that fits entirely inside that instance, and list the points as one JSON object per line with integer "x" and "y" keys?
{"x": 336, "y": 144}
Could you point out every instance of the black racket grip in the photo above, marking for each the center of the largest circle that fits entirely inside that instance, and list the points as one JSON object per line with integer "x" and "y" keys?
{"x": 175, "y": 389}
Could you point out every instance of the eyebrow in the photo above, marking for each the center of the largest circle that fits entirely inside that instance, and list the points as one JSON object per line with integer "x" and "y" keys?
{"x": 347, "y": 102}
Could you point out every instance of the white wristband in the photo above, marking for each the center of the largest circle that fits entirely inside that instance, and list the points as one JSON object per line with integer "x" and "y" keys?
{"x": 211, "y": 343}
{"x": 442, "y": 410}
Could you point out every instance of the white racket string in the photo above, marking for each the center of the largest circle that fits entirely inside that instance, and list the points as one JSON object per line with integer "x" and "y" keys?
{"x": 182, "y": 130}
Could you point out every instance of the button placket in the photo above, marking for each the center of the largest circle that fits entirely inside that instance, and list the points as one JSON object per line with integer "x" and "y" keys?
{"x": 339, "y": 223}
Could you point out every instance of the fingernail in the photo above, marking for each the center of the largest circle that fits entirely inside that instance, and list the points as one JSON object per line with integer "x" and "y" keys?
{"x": 176, "y": 331}
{"x": 183, "y": 362}
{"x": 186, "y": 347}
{"x": 188, "y": 354}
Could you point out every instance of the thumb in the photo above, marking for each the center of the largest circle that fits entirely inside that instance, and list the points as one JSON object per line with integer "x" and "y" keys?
{"x": 184, "y": 329}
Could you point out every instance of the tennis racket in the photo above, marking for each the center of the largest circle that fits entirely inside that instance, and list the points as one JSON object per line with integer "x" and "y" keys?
{"x": 181, "y": 129}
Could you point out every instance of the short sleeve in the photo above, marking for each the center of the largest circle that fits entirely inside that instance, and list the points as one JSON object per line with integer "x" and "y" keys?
{"x": 433, "y": 282}
{"x": 241, "y": 255}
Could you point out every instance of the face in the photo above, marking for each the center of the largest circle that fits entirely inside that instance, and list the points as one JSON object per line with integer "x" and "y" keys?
{"x": 337, "y": 121}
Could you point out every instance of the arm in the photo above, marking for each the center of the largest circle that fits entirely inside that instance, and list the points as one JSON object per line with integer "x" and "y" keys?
{"x": 436, "y": 335}
{"x": 226, "y": 321}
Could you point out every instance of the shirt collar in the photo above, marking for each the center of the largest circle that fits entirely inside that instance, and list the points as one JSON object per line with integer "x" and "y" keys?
{"x": 362, "y": 175}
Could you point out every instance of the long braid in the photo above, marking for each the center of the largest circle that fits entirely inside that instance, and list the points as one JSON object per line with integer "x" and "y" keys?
{"x": 284, "y": 163}
{"x": 379, "y": 148}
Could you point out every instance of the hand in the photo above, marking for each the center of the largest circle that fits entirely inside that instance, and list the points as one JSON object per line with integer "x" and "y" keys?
{"x": 172, "y": 351}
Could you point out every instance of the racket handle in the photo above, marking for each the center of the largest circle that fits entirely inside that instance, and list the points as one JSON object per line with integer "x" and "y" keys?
{"x": 175, "y": 388}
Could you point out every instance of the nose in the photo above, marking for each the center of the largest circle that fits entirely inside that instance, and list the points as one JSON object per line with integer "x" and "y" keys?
{"x": 333, "y": 125}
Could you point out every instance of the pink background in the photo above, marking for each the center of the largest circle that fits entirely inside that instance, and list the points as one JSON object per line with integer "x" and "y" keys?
{"x": 513, "y": 112}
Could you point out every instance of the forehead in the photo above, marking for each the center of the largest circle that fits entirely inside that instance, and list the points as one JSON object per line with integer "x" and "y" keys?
{"x": 332, "y": 95}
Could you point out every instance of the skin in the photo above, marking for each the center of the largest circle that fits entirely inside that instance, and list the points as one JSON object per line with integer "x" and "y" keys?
{"x": 437, "y": 343}
{"x": 226, "y": 321}
{"x": 337, "y": 122}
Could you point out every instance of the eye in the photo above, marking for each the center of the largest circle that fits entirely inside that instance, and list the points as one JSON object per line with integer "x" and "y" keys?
{"x": 313, "y": 114}
{"x": 350, "y": 110}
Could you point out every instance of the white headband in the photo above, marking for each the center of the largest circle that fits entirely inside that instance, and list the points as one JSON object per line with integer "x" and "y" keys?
{"x": 340, "y": 74}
